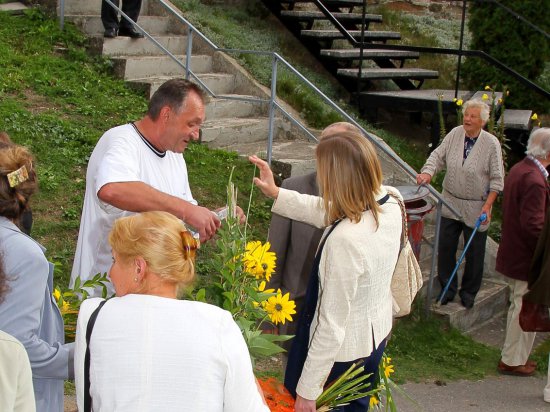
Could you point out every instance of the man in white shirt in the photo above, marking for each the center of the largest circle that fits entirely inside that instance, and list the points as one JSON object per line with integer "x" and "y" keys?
{"x": 138, "y": 167}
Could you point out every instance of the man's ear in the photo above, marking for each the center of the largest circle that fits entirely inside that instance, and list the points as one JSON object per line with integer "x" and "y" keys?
{"x": 165, "y": 113}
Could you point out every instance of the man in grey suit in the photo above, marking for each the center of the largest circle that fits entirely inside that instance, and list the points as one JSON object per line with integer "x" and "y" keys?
{"x": 295, "y": 243}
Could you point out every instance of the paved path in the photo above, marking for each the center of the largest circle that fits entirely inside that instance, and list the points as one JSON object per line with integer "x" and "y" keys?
{"x": 492, "y": 394}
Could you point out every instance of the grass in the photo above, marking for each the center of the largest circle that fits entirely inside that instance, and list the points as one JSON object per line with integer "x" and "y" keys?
{"x": 57, "y": 100}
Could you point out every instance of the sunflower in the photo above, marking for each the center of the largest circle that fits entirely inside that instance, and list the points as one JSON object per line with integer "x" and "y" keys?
{"x": 56, "y": 294}
{"x": 258, "y": 261}
{"x": 279, "y": 308}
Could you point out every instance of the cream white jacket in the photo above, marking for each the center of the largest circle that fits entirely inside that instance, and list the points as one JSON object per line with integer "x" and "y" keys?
{"x": 354, "y": 309}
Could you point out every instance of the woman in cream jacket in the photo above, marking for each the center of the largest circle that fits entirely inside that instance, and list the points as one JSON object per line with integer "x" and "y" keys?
{"x": 351, "y": 300}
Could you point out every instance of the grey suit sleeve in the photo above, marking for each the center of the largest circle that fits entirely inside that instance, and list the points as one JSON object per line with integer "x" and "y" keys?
{"x": 31, "y": 315}
{"x": 279, "y": 237}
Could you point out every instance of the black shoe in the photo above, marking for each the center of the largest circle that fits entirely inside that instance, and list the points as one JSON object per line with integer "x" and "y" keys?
{"x": 110, "y": 33}
{"x": 446, "y": 299}
{"x": 130, "y": 32}
{"x": 467, "y": 303}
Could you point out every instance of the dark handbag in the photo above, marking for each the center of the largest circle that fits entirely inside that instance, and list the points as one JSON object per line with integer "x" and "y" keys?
{"x": 89, "y": 328}
{"x": 534, "y": 317}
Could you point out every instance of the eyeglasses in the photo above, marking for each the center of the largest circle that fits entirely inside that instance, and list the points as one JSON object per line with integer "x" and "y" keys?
{"x": 190, "y": 244}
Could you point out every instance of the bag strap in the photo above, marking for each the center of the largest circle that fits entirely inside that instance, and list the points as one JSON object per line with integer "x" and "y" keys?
{"x": 404, "y": 229}
{"x": 89, "y": 328}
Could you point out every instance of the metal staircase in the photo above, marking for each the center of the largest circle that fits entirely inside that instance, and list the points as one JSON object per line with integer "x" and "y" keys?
{"x": 321, "y": 26}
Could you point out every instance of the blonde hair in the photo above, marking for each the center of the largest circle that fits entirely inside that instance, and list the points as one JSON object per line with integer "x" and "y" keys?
{"x": 349, "y": 175}
{"x": 14, "y": 200}
{"x": 339, "y": 127}
{"x": 162, "y": 240}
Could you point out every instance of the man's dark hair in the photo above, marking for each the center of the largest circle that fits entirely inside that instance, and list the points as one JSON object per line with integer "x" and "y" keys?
{"x": 172, "y": 94}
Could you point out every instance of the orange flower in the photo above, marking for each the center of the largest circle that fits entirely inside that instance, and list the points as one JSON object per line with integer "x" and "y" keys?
{"x": 277, "y": 397}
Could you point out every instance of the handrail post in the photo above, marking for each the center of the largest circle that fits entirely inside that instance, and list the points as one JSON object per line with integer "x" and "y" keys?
{"x": 62, "y": 14}
{"x": 189, "y": 51}
{"x": 272, "y": 108}
{"x": 460, "y": 48}
{"x": 435, "y": 251}
{"x": 361, "y": 48}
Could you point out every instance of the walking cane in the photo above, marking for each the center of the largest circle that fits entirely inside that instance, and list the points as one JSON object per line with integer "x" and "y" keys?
{"x": 482, "y": 218}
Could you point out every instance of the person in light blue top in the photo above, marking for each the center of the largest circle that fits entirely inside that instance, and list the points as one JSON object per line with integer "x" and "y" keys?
{"x": 29, "y": 313}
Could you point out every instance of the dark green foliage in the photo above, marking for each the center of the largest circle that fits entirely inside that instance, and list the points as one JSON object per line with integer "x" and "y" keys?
{"x": 512, "y": 42}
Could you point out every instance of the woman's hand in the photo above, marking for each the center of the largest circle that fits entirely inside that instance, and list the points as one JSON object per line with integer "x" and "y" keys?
{"x": 265, "y": 182}
{"x": 304, "y": 405}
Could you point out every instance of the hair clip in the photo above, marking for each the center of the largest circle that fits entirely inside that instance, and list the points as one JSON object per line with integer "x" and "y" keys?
{"x": 18, "y": 176}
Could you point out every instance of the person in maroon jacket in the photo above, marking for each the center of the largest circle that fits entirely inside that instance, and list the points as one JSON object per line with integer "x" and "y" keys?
{"x": 526, "y": 199}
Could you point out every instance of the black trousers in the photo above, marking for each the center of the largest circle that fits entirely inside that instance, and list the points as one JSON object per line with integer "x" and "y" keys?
{"x": 109, "y": 15}
{"x": 451, "y": 230}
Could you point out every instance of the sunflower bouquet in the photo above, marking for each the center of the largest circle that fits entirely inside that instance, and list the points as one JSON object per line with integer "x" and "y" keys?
{"x": 241, "y": 269}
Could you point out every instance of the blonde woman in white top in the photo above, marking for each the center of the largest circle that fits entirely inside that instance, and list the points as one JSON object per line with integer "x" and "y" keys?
{"x": 353, "y": 305}
{"x": 150, "y": 351}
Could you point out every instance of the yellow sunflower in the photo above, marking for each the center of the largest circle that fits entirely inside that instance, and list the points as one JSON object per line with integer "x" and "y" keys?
{"x": 279, "y": 308}
{"x": 258, "y": 261}
{"x": 56, "y": 294}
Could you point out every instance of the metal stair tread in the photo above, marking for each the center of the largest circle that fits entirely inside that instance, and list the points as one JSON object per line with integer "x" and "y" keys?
{"x": 368, "y": 34}
{"x": 378, "y": 73}
{"x": 368, "y": 53}
{"x": 517, "y": 119}
{"x": 317, "y": 15}
{"x": 342, "y": 3}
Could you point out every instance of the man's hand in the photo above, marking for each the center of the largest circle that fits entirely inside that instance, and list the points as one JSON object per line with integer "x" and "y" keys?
{"x": 304, "y": 405}
{"x": 202, "y": 220}
{"x": 240, "y": 215}
{"x": 423, "y": 178}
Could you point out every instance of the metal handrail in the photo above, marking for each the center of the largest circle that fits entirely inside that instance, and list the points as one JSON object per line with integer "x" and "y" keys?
{"x": 273, "y": 104}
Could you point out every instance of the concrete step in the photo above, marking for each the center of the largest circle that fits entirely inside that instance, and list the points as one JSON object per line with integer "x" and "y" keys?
{"x": 93, "y": 7}
{"x": 218, "y": 83}
{"x": 296, "y": 155}
{"x": 368, "y": 36}
{"x": 133, "y": 67}
{"x": 154, "y": 25}
{"x": 126, "y": 46}
{"x": 233, "y": 132}
{"x": 224, "y": 108}
{"x": 491, "y": 300}
{"x": 380, "y": 74}
{"x": 310, "y": 16}
{"x": 13, "y": 7}
{"x": 355, "y": 54}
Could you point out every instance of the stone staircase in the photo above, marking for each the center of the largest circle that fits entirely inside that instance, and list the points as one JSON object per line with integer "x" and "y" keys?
{"x": 242, "y": 126}
{"x": 236, "y": 125}
{"x": 491, "y": 301}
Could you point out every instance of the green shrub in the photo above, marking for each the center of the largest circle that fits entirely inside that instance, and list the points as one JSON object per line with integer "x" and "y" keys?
{"x": 512, "y": 42}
